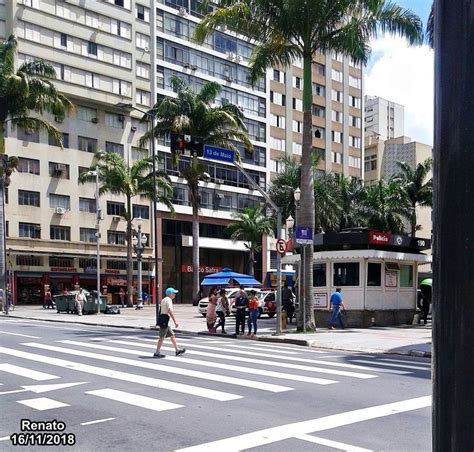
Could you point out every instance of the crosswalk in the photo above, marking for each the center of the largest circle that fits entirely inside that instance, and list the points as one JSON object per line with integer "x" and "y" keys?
{"x": 216, "y": 370}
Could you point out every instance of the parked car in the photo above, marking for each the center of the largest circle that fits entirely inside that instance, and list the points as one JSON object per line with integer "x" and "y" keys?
{"x": 203, "y": 302}
{"x": 266, "y": 299}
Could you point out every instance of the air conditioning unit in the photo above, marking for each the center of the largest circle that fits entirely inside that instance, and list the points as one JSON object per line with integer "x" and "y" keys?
{"x": 182, "y": 11}
{"x": 193, "y": 67}
{"x": 133, "y": 129}
{"x": 59, "y": 168}
{"x": 186, "y": 65}
{"x": 220, "y": 195}
{"x": 116, "y": 219}
{"x": 219, "y": 181}
{"x": 228, "y": 78}
{"x": 230, "y": 55}
{"x": 95, "y": 120}
{"x": 238, "y": 58}
{"x": 146, "y": 49}
{"x": 60, "y": 210}
{"x": 121, "y": 118}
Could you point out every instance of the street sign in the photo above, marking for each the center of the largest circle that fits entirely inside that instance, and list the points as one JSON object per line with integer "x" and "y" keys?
{"x": 304, "y": 236}
{"x": 221, "y": 154}
{"x": 281, "y": 246}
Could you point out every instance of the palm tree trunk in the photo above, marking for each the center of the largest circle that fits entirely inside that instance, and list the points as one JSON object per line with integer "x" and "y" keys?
{"x": 306, "y": 212}
{"x": 413, "y": 220}
{"x": 3, "y": 260}
{"x": 251, "y": 261}
{"x": 129, "y": 255}
{"x": 195, "y": 294}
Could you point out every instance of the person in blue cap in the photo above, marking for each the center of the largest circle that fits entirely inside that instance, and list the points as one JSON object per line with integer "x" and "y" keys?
{"x": 166, "y": 311}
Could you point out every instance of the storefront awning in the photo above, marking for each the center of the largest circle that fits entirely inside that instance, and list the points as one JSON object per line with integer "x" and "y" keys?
{"x": 361, "y": 254}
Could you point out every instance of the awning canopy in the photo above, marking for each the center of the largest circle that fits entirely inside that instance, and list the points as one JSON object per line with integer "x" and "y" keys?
{"x": 361, "y": 254}
{"x": 227, "y": 276}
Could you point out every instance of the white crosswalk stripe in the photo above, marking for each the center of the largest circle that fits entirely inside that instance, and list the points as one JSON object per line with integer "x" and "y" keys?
{"x": 28, "y": 373}
{"x": 403, "y": 366}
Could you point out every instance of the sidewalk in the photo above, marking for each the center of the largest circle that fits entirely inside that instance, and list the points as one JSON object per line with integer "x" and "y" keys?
{"x": 407, "y": 340}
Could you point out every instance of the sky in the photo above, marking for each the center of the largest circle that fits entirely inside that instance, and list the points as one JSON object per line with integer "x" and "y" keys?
{"x": 404, "y": 75}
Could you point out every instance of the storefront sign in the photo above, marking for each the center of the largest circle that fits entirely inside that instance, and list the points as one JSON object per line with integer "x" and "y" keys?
{"x": 202, "y": 269}
{"x": 391, "y": 279}
{"x": 64, "y": 269}
{"x": 320, "y": 299}
{"x": 116, "y": 281}
{"x": 379, "y": 238}
{"x": 90, "y": 269}
{"x": 112, "y": 270}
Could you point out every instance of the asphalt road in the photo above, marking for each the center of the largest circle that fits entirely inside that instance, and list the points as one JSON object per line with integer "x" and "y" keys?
{"x": 221, "y": 395}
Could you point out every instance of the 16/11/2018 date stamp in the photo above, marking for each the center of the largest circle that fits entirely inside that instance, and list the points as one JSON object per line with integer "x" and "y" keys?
{"x": 38, "y": 433}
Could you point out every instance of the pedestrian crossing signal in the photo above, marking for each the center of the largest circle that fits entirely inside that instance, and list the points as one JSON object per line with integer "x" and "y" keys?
{"x": 183, "y": 144}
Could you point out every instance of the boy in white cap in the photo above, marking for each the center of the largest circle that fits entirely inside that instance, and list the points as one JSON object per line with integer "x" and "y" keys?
{"x": 166, "y": 311}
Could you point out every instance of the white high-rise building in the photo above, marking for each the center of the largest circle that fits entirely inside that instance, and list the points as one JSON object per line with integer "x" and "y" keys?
{"x": 384, "y": 118}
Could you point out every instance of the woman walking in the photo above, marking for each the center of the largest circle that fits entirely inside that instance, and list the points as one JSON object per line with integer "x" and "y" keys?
{"x": 211, "y": 315}
{"x": 253, "y": 313}
{"x": 222, "y": 309}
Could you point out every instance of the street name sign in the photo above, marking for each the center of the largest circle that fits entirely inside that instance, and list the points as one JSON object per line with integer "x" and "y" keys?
{"x": 304, "y": 236}
{"x": 220, "y": 154}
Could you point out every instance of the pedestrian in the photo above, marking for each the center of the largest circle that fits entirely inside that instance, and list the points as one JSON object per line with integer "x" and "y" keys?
{"x": 241, "y": 303}
{"x": 425, "y": 301}
{"x": 80, "y": 299}
{"x": 122, "y": 297}
{"x": 211, "y": 315}
{"x": 253, "y": 305}
{"x": 166, "y": 311}
{"x": 336, "y": 305}
{"x": 287, "y": 301}
{"x": 48, "y": 300}
{"x": 222, "y": 309}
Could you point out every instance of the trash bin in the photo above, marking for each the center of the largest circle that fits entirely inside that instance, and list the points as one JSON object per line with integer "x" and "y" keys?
{"x": 61, "y": 302}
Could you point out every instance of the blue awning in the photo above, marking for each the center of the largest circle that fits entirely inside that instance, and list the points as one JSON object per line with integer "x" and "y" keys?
{"x": 227, "y": 276}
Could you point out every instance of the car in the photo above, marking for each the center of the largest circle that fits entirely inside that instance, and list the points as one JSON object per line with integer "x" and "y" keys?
{"x": 203, "y": 302}
{"x": 266, "y": 300}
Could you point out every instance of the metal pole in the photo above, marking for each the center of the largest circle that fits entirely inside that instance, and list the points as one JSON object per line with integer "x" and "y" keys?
{"x": 304, "y": 288}
{"x": 139, "y": 262}
{"x": 3, "y": 256}
{"x": 155, "y": 222}
{"x": 278, "y": 327}
{"x": 97, "y": 234}
{"x": 453, "y": 270}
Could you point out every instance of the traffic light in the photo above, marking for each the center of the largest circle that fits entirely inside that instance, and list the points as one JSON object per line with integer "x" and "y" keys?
{"x": 182, "y": 144}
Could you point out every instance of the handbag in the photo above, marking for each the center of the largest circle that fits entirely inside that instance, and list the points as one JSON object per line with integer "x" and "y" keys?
{"x": 163, "y": 319}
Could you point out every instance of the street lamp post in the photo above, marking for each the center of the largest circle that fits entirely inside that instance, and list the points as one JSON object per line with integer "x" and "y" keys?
{"x": 139, "y": 243}
{"x": 301, "y": 275}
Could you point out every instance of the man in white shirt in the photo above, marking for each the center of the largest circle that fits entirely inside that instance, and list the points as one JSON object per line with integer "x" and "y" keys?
{"x": 80, "y": 299}
{"x": 166, "y": 311}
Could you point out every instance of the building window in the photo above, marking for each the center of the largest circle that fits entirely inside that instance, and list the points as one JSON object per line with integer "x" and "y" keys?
{"x": 28, "y": 135}
{"x": 319, "y": 275}
{"x": 354, "y": 101}
{"x": 52, "y": 141}
{"x": 87, "y": 235}
{"x": 336, "y": 116}
{"x": 355, "y": 142}
{"x": 141, "y": 211}
{"x": 60, "y": 233}
{"x": 142, "y": 13}
{"x": 88, "y": 263}
{"x": 319, "y": 132}
{"x": 355, "y": 121}
{"x": 63, "y": 39}
{"x": 86, "y": 113}
{"x": 297, "y": 82}
{"x": 120, "y": 28}
{"x": 277, "y": 121}
{"x": 370, "y": 162}
{"x": 143, "y": 70}
{"x": 30, "y": 166}
{"x": 142, "y": 41}
{"x": 336, "y": 136}
{"x": 62, "y": 262}
{"x": 29, "y": 230}
{"x": 87, "y": 144}
{"x": 59, "y": 170}
{"x": 297, "y": 104}
{"x": 320, "y": 69}
{"x": 336, "y": 75}
{"x": 114, "y": 120}
{"x": 297, "y": 126}
{"x": 116, "y": 148}
{"x": 92, "y": 48}
{"x": 346, "y": 274}
{"x": 87, "y": 205}
{"x": 277, "y": 98}
{"x": 319, "y": 111}
{"x": 143, "y": 97}
{"x": 355, "y": 82}
{"x": 28, "y": 198}
{"x": 30, "y": 261}
{"x": 355, "y": 162}
{"x": 336, "y": 157}
{"x": 115, "y": 208}
{"x": 277, "y": 143}
{"x": 116, "y": 238}
{"x": 63, "y": 201}
{"x": 278, "y": 76}
{"x": 116, "y": 265}
{"x": 406, "y": 275}
{"x": 319, "y": 90}
{"x": 297, "y": 148}
{"x": 374, "y": 274}
{"x": 336, "y": 95}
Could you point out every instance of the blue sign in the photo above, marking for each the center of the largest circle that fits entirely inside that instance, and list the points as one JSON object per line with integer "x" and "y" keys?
{"x": 221, "y": 154}
{"x": 304, "y": 236}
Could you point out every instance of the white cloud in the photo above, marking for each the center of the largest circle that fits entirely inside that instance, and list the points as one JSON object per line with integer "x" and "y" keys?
{"x": 404, "y": 75}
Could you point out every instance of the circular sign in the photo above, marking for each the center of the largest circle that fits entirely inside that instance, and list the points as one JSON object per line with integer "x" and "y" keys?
{"x": 281, "y": 246}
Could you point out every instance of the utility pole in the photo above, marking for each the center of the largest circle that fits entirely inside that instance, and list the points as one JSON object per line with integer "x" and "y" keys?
{"x": 453, "y": 269}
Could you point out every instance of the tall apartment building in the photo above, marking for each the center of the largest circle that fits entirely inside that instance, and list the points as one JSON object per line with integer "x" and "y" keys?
{"x": 105, "y": 53}
{"x": 384, "y": 118}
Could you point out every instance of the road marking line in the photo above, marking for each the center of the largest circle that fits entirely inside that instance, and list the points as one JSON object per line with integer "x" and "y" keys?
{"x": 404, "y": 366}
{"x": 18, "y": 334}
{"x": 38, "y": 389}
{"x": 285, "y": 365}
{"x": 406, "y": 361}
{"x": 28, "y": 373}
{"x": 134, "y": 399}
{"x": 263, "y": 344}
{"x": 225, "y": 379}
{"x": 98, "y": 421}
{"x": 281, "y": 350}
{"x": 160, "y": 367}
{"x": 329, "y": 443}
{"x": 14, "y": 391}
{"x": 4, "y": 438}
{"x": 283, "y": 432}
{"x": 42, "y": 403}
{"x": 124, "y": 376}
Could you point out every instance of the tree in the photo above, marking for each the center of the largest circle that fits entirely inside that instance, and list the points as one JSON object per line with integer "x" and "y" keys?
{"x": 419, "y": 192}
{"x": 252, "y": 224}
{"x": 350, "y": 193}
{"x": 23, "y": 92}
{"x": 194, "y": 114}
{"x": 118, "y": 178}
{"x": 285, "y": 31}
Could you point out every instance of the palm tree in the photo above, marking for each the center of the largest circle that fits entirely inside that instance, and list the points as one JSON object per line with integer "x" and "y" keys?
{"x": 252, "y": 224}
{"x": 289, "y": 30}
{"x": 419, "y": 192}
{"x": 194, "y": 114}
{"x": 23, "y": 91}
{"x": 116, "y": 177}
{"x": 350, "y": 193}
{"x": 384, "y": 206}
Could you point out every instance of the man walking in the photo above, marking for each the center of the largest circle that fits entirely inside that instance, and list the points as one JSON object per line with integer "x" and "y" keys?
{"x": 335, "y": 305}
{"x": 241, "y": 304}
{"x": 166, "y": 311}
{"x": 80, "y": 300}
{"x": 287, "y": 301}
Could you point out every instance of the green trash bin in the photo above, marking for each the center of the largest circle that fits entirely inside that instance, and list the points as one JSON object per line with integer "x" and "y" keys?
{"x": 61, "y": 303}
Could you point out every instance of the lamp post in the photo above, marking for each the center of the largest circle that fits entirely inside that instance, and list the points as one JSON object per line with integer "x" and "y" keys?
{"x": 139, "y": 243}
{"x": 301, "y": 275}
{"x": 97, "y": 233}
{"x": 155, "y": 195}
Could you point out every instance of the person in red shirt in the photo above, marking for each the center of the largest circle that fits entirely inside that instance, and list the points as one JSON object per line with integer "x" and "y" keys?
{"x": 253, "y": 313}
